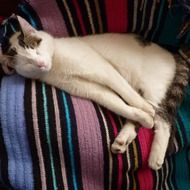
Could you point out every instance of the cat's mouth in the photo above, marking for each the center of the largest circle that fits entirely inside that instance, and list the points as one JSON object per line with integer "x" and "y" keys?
{"x": 42, "y": 65}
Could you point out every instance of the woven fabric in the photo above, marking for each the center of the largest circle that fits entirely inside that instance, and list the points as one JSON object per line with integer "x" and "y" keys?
{"x": 51, "y": 140}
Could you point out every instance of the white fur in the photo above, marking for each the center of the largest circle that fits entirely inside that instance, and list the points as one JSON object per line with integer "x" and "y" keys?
{"x": 109, "y": 69}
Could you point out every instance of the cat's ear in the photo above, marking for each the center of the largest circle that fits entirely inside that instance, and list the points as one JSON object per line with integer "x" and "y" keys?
{"x": 28, "y": 33}
{"x": 25, "y": 27}
{"x": 7, "y": 64}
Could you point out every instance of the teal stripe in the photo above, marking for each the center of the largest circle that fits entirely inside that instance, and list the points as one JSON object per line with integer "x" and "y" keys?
{"x": 180, "y": 133}
{"x": 182, "y": 173}
{"x": 28, "y": 14}
{"x": 184, "y": 113}
{"x": 159, "y": 18}
{"x": 12, "y": 27}
{"x": 5, "y": 31}
{"x": 187, "y": 39}
{"x": 48, "y": 136}
{"x": 69, "y": 138}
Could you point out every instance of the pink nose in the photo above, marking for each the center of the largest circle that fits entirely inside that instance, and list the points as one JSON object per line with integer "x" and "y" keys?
{"x": 40, "y": 64}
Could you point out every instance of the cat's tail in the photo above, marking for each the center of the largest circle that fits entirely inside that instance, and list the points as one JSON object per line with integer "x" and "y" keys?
{"x": 175, "y": 96}
{"x": 176, "y": 93}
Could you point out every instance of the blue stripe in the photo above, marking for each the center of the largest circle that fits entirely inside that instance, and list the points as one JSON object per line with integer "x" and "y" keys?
{"x": 29, "y": 15}
{"x": 69, "y": 138}
{"x": 159, "y": 19}
{"x": 14, "y": 133}
{"x": 48, "y": 136}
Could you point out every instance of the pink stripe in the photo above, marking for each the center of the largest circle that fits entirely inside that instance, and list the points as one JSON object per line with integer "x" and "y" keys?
{"x": 117, "y": 15}
{"x": 59, "y": 138}
{"x": 37, "y": 137}
{"x": 90, "y": 144}
{"x": 119, "y": 156}
{"x": 145, "y": 137}
{"x": 51, "y": 17}
{"x": 75, "y": 2}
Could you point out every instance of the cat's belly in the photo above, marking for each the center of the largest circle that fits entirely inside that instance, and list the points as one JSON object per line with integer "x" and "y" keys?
{"x": 155, "y": 85}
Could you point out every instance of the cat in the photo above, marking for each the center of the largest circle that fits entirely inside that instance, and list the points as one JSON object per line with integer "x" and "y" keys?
{"x": 115, "y": 70}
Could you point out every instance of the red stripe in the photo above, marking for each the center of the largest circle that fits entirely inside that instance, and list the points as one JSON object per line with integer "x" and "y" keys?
{"x": 145, "y": 137}
{"x": 1, "y": 19}
{"x": 145, "y": 179}
{"x": 75, "y": 2}
{"x": 117, "y": 12}
{"x": 119, "y": 156}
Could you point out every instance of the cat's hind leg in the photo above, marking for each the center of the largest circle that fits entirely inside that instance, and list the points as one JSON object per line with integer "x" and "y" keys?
{"x": 107, "y": 98}
{"x": 160, "y": 143}
{"x": 124, "y": 138}
{"x": 122, "y": 87}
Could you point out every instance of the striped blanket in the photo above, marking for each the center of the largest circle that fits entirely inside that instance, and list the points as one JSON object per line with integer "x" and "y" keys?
{"x": 50, "y": 140}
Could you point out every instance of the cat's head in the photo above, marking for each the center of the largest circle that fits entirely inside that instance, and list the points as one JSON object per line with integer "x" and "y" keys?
{"x": 29, "y": 52}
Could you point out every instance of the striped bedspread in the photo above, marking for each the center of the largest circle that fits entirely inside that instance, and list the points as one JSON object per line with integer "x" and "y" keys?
{"x": 50, "y": 140}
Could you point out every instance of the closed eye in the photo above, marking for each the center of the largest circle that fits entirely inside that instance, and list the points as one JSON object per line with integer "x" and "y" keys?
{"x": 12, "y": 51}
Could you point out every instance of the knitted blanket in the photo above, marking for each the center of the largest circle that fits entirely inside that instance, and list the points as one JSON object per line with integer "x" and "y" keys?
{"x": 50, "y": 140}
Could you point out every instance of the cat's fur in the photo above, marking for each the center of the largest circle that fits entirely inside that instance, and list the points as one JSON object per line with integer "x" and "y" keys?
{"x": 110, "y": 69}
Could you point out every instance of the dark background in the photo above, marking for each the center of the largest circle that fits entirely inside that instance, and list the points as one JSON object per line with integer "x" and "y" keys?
{"x": 7, "y": 7}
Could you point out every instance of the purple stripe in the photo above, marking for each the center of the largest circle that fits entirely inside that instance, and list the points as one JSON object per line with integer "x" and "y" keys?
{"x": 90, "y": 144}
{"x": 14, "y": 132}
{"x": 50, "y": 16}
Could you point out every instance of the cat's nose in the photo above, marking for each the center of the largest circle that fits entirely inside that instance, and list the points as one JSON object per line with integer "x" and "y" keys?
{"x": 41, "y": 64}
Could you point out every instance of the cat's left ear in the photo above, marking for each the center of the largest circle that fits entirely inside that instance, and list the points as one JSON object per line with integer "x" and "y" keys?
{"x": 26, "y": 28}
{"x": 6, "y": 63}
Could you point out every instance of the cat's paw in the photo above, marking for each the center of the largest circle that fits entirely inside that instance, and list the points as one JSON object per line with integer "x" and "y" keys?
{"x": 156, "y": 160}
{"x": 149, "y": 109}
{"x": 122, "y": 141}
{"x": 144, "y": 119}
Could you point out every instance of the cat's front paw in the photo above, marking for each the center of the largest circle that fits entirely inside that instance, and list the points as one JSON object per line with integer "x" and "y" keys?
{"x": 122, "y": 141}
{"x": 156, "y": 160}
{"x": 144, "y": 119}
{"x": 149, "y": 109}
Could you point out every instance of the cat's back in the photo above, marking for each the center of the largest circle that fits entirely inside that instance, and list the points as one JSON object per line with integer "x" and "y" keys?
{"x": 127, "y": 48}
{"x": 108, "y": 43}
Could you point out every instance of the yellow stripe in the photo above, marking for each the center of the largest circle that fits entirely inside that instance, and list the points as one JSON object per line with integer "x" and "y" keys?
{"x": 135, "y": 154}
{"x": 90, "y": 16}
{"x": 136, "y": 163}
{"x": 70, "y": 18}
{"x": 99, "y": 16}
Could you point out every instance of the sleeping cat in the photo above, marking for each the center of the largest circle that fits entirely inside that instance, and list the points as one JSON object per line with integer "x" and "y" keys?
{"x": 115, "y": 70}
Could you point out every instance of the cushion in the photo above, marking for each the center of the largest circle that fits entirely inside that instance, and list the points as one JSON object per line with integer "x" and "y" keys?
{"x": 52, "y": 140}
